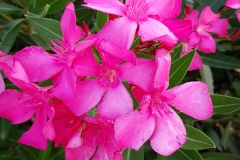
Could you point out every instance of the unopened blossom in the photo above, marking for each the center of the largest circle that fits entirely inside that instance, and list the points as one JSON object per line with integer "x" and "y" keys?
{"x": 137, "y": 15}
{"x": 31, "y": 102}
{"x": 95, "y": 140}
{"x": 102, "y": 85}
{"x": 155, "y": 119}
{"x": 235, "y": 4}
{"x": 40, "y": 65}
{"x": 207, "y": 23}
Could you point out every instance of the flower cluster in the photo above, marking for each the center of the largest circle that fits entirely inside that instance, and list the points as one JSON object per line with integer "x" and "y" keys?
{"x": 88, "y": 106}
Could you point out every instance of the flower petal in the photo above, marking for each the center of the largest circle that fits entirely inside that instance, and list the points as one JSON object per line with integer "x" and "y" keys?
{"x": 107, "y": 6}
{"x": 218, "y": 27}
{"x": 71, "y": 32}
{"x": 193, "y": 16}
{"x": 207, "y": 44}
{"x": 115, "y": 31}
{"x": 196, "y": 63}
{"x": 34, "y": 136}
{"x": 19, "y": 72}
{"x": 233, "y": 4}
{"x": 150, "y": 29}
{"x": 38, "y": 64}
{"x": 15, "y": 111}
{"x": 2, "y": 84}
{"x": 64, "y": 84}
{"x": 191, "y": 98}
{"x": 116, "y": 102}
{"x": 238, "y": 16}
{"x": 88, "y": 95}
{"x": 182, "y": 29}
{"x": 86, "y": 65}
{"x": 118, "y": 51}
{"x": 84, "y": 152}
{"x": 169, "y": 134}
{"x": 134, "y": 129}
{"x": 207, "y": 16}
{"x": 161, "y": 79}
{"x": 141, "y": 74}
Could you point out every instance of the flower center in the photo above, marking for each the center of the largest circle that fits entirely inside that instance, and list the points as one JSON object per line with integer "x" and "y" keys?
{"x": 108, "y": 77}
{"x": 136, "y": 9}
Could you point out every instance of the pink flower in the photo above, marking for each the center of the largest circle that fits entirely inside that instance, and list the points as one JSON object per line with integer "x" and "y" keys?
{"x": 155, "y": 119}
{"x": 94, "y": 141}
{"x": 32, "y": 101}
{"x": 235, "y": 4}
{"x": 103, "y": 86}
{"x": 136, "y": 15}
{"x": 40, "y": 65}
{"x": 208, "y": 22}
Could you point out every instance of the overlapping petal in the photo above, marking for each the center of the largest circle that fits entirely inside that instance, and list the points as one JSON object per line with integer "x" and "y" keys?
{"x": 140, "y": 74}
{"x": 38, "y": 64}
{"x": 218, "y": 27}
{"x": 207, "y": 16}
{"x": 134, "y": 129}
{"x": 233, "y": 4}
{"x": 115, "y": 31}
{"x": 109, "y": 109}
{"x": 207, "y": 44}
{"x": 88, "y": 95}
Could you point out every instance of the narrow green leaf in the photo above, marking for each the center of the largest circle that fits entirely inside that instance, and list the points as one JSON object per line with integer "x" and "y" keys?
{"x": 219, "y": 156}
{"x": 102, "y": 18}
{"x": 182, "y": 154}
{"x": 176, "y": 53}
{"x": 214, "y": 4}
{"x": 215, "y": 138}
{"x": 9, "y": 9}
{"x": 5, "y": 127}
{"x": 55, "y": 5}
{"x": 225, "y": 136}
{"x": 11, "y": 32}
{"x": 225, "y": 104}
{"x": 40, "y": 41}
{"x": 28, "y": 152}
{"x": 179, "y": 68}
{"x": 43, "y": 155}
{"x": 84, "y": 14}
{"x": 130, "y": 154}
{"x": 46, "y": 28}
{"x": 196, "y": 139}
{"x": 220, "y": 61}
{"x": 236, "y": 86}
{"x": 206, "y": 75}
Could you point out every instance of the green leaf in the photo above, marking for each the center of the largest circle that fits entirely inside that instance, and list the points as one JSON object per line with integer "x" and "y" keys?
{"x": 196, "y": 139}
{"x": 214, "y": 4}
{"x": 102, "y": 18}
{"x": 176, "y": 53}
{"x": 225, "y": 104}
{"x": 225, "y": 136}
{"x": 236, "y": 86}
{"x": 182, "y": 154}
{"x": 40, "y": 41}
{"x": 130, "y": 154}
{"x": 43, "y": 155}
{"x": 55, "y": 5}
{"x": 9, "y": 9}
{"x": 28, "y": 152}
{"x": 179, "y": 68}
{"x": 46, "y": 28}
{"x": 220, "y": 61}
{"x": 206, "y": 75}
{"x": 215, "y": 138}
{"x": 11, "y": 32}
{"x": 84, "y": 14}
{"x": 219, "y": 156}
{"x": 5, "y": 127}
